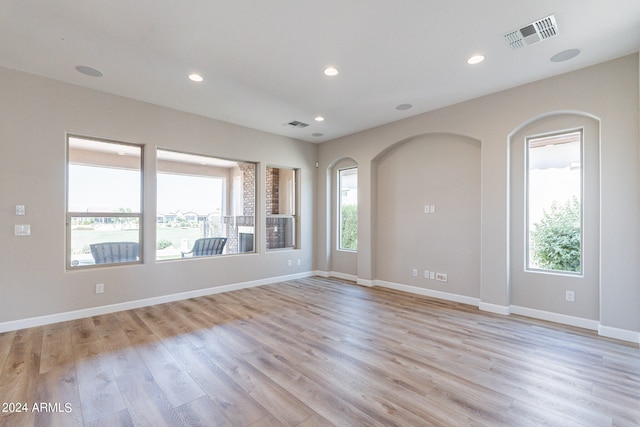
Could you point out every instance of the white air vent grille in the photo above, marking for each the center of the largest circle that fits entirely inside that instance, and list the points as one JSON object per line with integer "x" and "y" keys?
{"x": 297, "y": 124}
{"x": 535, "y": 32}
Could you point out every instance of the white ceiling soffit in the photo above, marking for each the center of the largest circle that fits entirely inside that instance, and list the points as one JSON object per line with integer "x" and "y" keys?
{"x": 262, "y": 62}
{"x": 535, "y": 32}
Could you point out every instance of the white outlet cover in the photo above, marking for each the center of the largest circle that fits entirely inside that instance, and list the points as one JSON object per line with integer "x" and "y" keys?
{"x": 22, "y": 230}
{"x": 441, "y": 277}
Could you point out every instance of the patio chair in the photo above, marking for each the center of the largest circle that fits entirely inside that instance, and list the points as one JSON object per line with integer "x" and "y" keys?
{"x": 113, "y": 252}
{"x": 207, "y": 246}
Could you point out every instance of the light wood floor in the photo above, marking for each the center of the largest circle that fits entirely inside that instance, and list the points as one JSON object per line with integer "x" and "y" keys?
{"x": 316, "y": 352}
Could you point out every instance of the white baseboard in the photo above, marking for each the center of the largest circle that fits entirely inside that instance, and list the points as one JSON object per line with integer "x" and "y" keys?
{"x": 343, "y": 276}
{"x": 619, "y": 334}
{"x": 320, "y": 273}
{"x": 505, "y": 310}
{"x": 605, "y": 331}
{"x": 428, "y": 292}
{"x": 594, "y": 325}
{"x": 555, "y": 317}
{"x": 113, "y": 308}
{"x": 365, "y": 282}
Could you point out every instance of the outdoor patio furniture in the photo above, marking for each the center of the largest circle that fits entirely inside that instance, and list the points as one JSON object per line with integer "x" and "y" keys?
{"x": 113, "y": 252}
{"x": 207, "y": 246}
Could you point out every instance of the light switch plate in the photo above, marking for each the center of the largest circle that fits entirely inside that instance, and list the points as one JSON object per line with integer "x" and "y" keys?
{"x": 20, "y": 210}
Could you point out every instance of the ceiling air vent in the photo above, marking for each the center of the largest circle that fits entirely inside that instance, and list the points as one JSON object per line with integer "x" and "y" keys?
{"x": 535, "y": 32}
{"x": 297, "y": 124}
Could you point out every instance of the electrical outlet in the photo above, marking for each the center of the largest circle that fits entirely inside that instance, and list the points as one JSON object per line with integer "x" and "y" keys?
{"x": 426, "y": 274}
{"x": 22, "y": 230}
{"x": 570, "y": 296}
{"x": 289, "y": 263}
{"x": 414, "y": 273}
{"x": 432, "y": 275}
{"x": 99, "y": 288}
{"x": 299, "y": 261}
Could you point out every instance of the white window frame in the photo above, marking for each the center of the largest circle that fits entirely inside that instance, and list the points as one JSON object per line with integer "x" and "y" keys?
{"x": 229, "y": 209}
{"x": 292, "y": 213}
{"x": 339, "y": 211}
{"x": 70, "y": 215}
{"x": 527, "y": 255}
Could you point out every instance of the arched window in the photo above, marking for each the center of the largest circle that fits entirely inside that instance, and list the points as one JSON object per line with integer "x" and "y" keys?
{"x": 348, "y": 209}
{"x": 554, "y": 202}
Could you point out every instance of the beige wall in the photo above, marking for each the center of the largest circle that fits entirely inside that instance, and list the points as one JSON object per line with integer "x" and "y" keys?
{"x": 438, "y": 170}
{"x": 342, "y": 263}
{"x": 609, "y": 93}
{"x": 540, "y": 290}
{"x": 36, "y": 115}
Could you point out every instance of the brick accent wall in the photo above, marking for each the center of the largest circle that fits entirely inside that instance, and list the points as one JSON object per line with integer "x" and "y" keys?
{"x": 272, "y": 187}
{"x": 248, "y": 188}
{"x": 247, "y": 217}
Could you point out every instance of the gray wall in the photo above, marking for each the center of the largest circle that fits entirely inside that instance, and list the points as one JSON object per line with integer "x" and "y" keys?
{"x": 607, "y": 92}
{"x": 36, "y": 115}
{"x": 436, "y": 170}
{"x": 342, "y": 263}
{"x": 540, "y": 290}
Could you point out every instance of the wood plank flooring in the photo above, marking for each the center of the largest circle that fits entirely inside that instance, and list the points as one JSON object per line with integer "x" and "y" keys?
{"x": 315, "y": 352}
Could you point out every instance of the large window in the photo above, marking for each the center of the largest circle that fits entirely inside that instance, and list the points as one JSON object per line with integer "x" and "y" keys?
{"x": 104, "y": 213}
{"x": 282, "y": 208}
{"x": 348, "y": 209}
{"x": 554, "y": 202}
{"x": 205, "y": 206}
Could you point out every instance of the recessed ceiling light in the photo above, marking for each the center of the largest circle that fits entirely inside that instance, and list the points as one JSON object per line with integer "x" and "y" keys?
{"x": 476, "y": 59}
{"x": 319, "y": 119}
{"x": 403, "y": 107}
{"x": 565, "y": 55}
{"x": 330, "y": 71}
{"x": 196, "y": 78}
{"x": 89, "y": 71}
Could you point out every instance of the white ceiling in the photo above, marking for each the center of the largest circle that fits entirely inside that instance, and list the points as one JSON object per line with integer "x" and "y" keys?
{"x": 263, "y": 60}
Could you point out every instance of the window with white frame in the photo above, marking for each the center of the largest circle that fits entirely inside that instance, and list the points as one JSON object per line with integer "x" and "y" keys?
{"x": 205, "y": 206}
{"x": 104, "y": 202}
{"x": 554, "y": 202}
{"x": 281, "y": 208}
{"x": 348, "y": 209}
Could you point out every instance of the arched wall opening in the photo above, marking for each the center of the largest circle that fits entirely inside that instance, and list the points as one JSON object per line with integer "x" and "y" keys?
{"x": 535, "y": 291}
{"x": 426, "y": 213}
{"x": 343, "y": 264}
